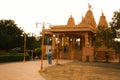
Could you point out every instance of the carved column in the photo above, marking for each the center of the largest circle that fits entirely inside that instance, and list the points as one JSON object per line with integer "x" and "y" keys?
{"x": 90, "y": 41}
{"x": 53, "y": 45}
{"x": 60, "y": 47}
{"x": 70, "y": 45}
{"x": 72, "y": 48}
{"x": 86, "y": 39}
{"x": 87, "y": 50}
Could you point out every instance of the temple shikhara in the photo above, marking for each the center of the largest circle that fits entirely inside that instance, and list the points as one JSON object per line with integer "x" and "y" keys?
{"x": 75, "y": 42}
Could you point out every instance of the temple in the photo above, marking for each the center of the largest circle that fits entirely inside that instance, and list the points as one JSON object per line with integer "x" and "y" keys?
{"x": 73, "y": 41}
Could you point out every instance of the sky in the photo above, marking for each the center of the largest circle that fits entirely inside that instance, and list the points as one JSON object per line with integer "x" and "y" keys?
{"x": 26, "y": 13}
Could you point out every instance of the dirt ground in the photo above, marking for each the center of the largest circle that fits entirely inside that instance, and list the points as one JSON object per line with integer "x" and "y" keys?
{"x": 83, "y": 71}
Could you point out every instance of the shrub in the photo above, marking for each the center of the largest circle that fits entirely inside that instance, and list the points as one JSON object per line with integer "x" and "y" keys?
{"x": 38, "y": 52}
{"x": 13, "y": 57}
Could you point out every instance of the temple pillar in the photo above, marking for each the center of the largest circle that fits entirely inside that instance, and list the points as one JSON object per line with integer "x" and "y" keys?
{"x": 90, "y": 40}
{"x": 82, "y": 42}
{"x": 60, "y": 47}
{"x": 72, "y": 42}
{"x": 86, "y": 39}
{"x": 70, "y": 46}
{"x": 88, "y": 50}
{"x": 53, "y": 45}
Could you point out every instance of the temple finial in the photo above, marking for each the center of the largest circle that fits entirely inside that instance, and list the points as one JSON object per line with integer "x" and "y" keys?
{"x": 102, "y": 13}
{"x": 89, "y": 6}
{"x": 71, "y": 14}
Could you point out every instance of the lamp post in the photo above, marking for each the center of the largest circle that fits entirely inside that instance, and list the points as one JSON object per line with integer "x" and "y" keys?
{"x": 24, "y": 47}
{"x": 43, "y": 27}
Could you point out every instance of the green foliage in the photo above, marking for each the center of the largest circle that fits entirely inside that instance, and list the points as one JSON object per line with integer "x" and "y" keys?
{"x": 104, "y": 37}
{"x": 115, "y": 25}
{"x": 116, "y": 46}
{"x": 10, "y": 35}
{"x": 38, "y": 52}
{"x": 12, "y": 57}
{"x": 38, "y": 42}
{"x": 30, "y": 42}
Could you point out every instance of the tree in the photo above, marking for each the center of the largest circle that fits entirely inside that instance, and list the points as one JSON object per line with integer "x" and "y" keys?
{"x": 115, "y": 27}
{"x": 30, "y": 42}
{"x": 104, "y": 38}
{"x": 10, "y": 35}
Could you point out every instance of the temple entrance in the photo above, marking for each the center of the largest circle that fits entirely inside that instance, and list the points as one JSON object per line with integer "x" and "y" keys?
{"x": 70, "y": 46}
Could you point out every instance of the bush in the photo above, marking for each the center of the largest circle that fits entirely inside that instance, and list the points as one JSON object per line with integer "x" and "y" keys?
{"x": 12, "y": 57}
{"x": 38, "y": 52}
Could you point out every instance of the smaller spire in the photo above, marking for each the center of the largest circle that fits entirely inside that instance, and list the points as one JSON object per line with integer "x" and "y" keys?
{"x": 71, "y": 21}
{"x": 102, "y": 21}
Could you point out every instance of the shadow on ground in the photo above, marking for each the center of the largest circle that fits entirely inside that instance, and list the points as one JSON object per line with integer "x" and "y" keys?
{"x": 83, "y": 71}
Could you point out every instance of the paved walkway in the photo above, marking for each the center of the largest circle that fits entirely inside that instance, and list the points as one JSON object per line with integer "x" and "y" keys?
{"x": 24, "y": 71}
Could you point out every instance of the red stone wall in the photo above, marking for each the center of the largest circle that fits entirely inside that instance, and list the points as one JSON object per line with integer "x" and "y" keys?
{"x": 101, "y": 55}
{"x": 88, "y": 53}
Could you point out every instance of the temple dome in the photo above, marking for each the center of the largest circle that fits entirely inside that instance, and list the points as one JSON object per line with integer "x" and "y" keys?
{"x": 71, "y": 22}
{"x": 102, "y": 21}
{"x": 89, "y": 18}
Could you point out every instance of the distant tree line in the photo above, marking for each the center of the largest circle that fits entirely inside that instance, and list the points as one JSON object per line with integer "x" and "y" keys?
{"x": 13, "y": 37}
